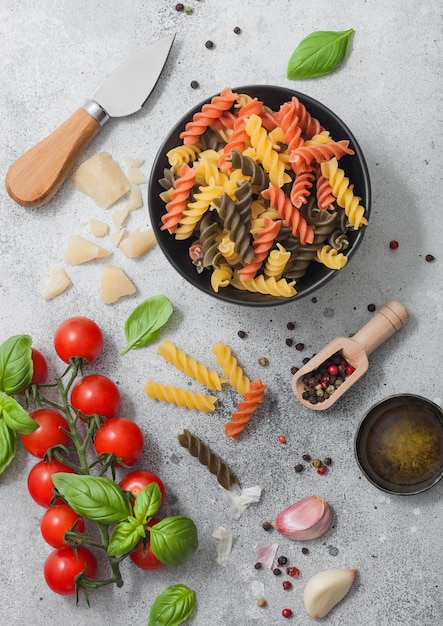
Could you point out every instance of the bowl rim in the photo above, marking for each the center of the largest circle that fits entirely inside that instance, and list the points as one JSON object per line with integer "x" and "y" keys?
{"x": 359, "y": 440}
{"x": 232, "y": 295}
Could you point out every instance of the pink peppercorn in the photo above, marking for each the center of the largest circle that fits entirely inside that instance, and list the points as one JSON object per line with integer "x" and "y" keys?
{"x": 393, "y": 244}
{"x": 286, "y": 613}
{"x": 333, "y": 370}
{"x": 282, "y": 439}
{"x": 322, "y": 469}
{"x": 349, "y": 370}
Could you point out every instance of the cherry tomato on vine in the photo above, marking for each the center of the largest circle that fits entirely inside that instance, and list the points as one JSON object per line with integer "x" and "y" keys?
{"x": 122, "y": 437}
{"x": 63, "y": 565}
{"x": 137, "y": 480}
{"x": 78, "y": 336}
{"x": 48, "y": 434}
{"x": 142, "y": 556}
{"x": 56, "y": 521}
{"x": 40, "y": 483}
{"x": 40, "y": 374}
{"x": 96, "y": 394}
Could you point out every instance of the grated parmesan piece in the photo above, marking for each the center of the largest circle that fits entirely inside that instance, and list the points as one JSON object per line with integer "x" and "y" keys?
{"x": 129, "y": 162}
{"x": 115, "y": 284}
{"x": 224, "y": 547}
{"x": 102, "y": 179}
{"x": 56, "y": 283}
{"x": 138, "y": 243}
{"x": 80, "y": 250}
{"x": 135, "y": 200}
{"x": 98, "y": 228}
{"x": 117, "y": 235}
{"x": 120, "y": 217}
{"x": 135, "y": 176}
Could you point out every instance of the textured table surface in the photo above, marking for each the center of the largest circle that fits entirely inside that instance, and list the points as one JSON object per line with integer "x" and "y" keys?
{"x": 390, "y": 93}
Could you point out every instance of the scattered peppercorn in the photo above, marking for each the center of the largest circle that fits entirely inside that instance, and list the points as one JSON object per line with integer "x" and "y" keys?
{"x": 305, "y": 550}
{"x": 393, "y": 244}
{"x": 294, "y": 572}
{"x": 294, "y": 370}
{"x": 276, "y": 571}
{"x": 194, "y": 84}
{"x": 322, "y": 470}
{"x": 290, "y": 325}
{"x": 316, "y": 463}
{"x": 299, "y": 346}
{"x": 287, "y": 585}
{"x": 241, "y": 334}
{"x": 282, "y": 560}
{"x": 263, "y": 360}
{"x": 429, "y": 258}
{"x": 179, "y": 7}
{"x": 299, "y": 468}
{"x": 286, "y": 613}
{"x": 327, "y": 460}
{"x": 237, "y": 30}
{"x": 371, "y": 308}
{"x": 261, "y": 602}
{"x": 267, "y": 525}
{"x": 282, "y": 439}
{"x": 306, "y": 360}
{"x": 188, "y": 10}
{"x": 258, "y": 565}
{"x": 306, "y": 457}
{"x": 209, "y": 44}
{"x": 289, "y": 342}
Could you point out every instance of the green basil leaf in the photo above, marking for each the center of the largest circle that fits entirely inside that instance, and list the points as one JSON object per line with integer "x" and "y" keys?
{"x": 16, "y": 367}
{"x": 319, "y": 53}
{"x": 15, "y": 415}
{"x": 95, "y": 497}
{"x": 146, "y": 321}
{"x": 172, "y": 607}
{"x": 8, "y": 445}
{"x": 125, "y": 537}
{"x": 174, "y": 539}
{"x": 147, "y": 502}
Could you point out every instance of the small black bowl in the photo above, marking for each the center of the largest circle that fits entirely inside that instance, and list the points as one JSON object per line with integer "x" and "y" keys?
{"x": 317, "y": 274}
{"x": 399, "y": 444}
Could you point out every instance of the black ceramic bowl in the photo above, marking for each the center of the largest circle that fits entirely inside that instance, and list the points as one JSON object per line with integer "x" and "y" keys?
{"x": 399, "y": 444}
{"x": 317, "y": 274}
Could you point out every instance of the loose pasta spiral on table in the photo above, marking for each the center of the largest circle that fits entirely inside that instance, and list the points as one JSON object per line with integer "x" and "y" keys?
{"x": 190, "y": 366}
{"x": 180, "y": 397}
{"x": 245, "y": 409}
{"x": 230, "y": 367}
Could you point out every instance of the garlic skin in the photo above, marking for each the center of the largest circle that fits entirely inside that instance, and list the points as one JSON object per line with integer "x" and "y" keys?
{"x": 306, "y": 519}
{"x": 325, "y": 589}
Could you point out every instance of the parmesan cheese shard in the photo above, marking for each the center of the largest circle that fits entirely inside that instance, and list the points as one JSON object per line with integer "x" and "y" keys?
{"x": 97, "y": 228}
{"x": 138, "y": 243}
{"x": 135, "y": 200}
{"x": 80, "y": 250}
{"x": 56, "y": 283}
{"x": 102, "y": 179}
{"x": 115, "y": 284}
{"x": 135, "y": 176}
{"x": 129, "y": 162}
{"x": 120, "y": 217}
{"x": 117, "y": 235}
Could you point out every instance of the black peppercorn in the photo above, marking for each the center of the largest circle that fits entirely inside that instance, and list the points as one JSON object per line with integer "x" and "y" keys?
{"x": 305, "y": 550}
{"x": 371, "y": 308}
{"x": 267, "y": 525}
{"x": 327, "y": 460}
{"x": 299, "y": 346}
{"x": 257, "y": 566}
{"x": 179, "y": 7}
{"x": 429, "y": 258}
{"x": 209, "y": 44}
{"x": 294, "y": 370}
{"x": 276, "y": 571}
{"x": 194, "y": 84}
{"x": 289, "y": 341}
{"x": 290, "y": 325}
{"x": 237, "y": 30}
{"x": 306, "y": 457}
{"x": 282, "y": 560}
{"x": 241, "y": 334}
{"x": 298, "y": 468}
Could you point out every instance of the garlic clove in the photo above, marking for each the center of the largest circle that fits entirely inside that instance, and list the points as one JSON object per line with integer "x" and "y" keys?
{"x": 325, "y": 589}
{"x": 308, "y": 518}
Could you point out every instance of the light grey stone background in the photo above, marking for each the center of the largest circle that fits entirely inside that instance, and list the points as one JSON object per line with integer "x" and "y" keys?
{"x": 389, "y": 93}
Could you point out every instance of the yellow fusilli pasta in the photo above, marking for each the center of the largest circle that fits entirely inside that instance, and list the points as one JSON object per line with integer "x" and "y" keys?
{"x": 266, "y": 286}
{"x": 182, "y": 154}
{"x": 267, "y": 156}
{"x": 230, "y": 367}
{"x": 180, "y": 397}
{"x": 344, "y": 192}
{"x": 330, "y": 257}
{"x": 221, "y": 276}
{"x": 189, "y": 365}
{"x": 276, "y": 262}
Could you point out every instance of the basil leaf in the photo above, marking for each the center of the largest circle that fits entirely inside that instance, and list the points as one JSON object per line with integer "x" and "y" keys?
{"x": 8, "y": 445}
{"x": 174, "y": 539}
{"x": 147, "y": 502}
{"x": 15, "y": 415}
{"x": 95, "y": 497}
{"x": 172, "y": 607}
{"x": 319, "y": 53}
{"x": 125, "y": 537}
{"x": 146, "y": 321}
{"x": 16, "y": 367}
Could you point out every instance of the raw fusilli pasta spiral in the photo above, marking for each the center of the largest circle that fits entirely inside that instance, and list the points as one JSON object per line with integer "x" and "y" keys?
{"x": 276, "y": 262}
{"x": 289, "y": 213}
{"x": 221, "y": 276}
{"x": 189, "y": 365}
{"x": 266, "y": 154}
{"x": 331, "y": 257}
{"x": 179, "y": 396}
{"x": 261, "y": 244}
{"x": 344, "y": 192}
{"x": 230, "y": 367}
{"x": 245, "y": 409}
{"x": 204, "y": 118}
{"x": 268, "y": 286}
{"x": 303, "y": 156}
{"x": 182, "y": 154}
{"x": 179, "y": 198}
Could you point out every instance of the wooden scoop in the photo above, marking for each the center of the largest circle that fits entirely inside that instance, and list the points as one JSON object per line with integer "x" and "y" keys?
{"x": 355, "y": 350}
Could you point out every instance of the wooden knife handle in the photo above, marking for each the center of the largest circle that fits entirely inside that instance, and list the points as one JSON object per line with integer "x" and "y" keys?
{"x": 37, "y": 175}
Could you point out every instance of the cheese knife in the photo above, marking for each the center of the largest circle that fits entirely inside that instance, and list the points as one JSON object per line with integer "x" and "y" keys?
{"x": 38, "y": 174}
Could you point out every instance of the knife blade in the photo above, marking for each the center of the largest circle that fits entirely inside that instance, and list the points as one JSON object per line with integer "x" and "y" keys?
{"x": 35, "y": 177}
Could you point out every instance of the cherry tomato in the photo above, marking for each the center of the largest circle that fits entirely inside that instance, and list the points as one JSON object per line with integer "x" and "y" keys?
{"x": 122, "y": 437}
{"x": 96, "y": 394}
{"x": 40, "y": 483}
{"x": 56, "y": 521}
{"x": 142, "y": 556}
{"x": 136, "y": 481}
{"x": 40, "y": 374}
{"x": 63, "y": 565}
{"x": 48, "y": 434}
{"x": 78, "y": 336}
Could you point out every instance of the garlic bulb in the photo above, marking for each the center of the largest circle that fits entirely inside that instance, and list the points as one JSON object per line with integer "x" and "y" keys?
{"x": 306, "y": 519}
{"x": 325, "y": 589}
